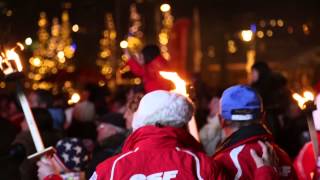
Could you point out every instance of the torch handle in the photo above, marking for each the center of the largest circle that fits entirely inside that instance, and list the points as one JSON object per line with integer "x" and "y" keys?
{"x": 313, "y": 136}
{"x": 30, "y": 119}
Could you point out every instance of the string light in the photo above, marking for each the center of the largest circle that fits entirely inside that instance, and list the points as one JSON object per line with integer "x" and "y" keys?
{"x": 75, "y": 28}
{"x": 106, "y": 58}
{"x": 166, "y": 26}
{"x": 165, "y": 7}
{"x": 28, "y": 41}
{"x": 124, "y": 44}
{"x": 54, "y": 50}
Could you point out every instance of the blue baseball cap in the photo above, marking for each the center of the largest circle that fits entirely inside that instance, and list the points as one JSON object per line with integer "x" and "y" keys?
{"x": 240, "y": 103}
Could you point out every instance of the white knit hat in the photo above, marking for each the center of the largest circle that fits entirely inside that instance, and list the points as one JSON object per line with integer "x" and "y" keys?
{"x": 164, "y": 108}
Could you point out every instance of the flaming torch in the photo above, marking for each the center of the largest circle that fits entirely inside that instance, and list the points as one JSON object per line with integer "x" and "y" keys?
{"x": 11, "y": 66}
{"x": 307, "y": 105}
{"x": 180, "y": 87}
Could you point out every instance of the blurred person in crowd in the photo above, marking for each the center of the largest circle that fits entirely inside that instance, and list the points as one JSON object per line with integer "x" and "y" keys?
{"x": 111, "y": 134}
{"x": 7, "y": 166}
{"x": 276, "y": 96}
{"x": 160, "y": 145}
{"x": 82, "y": 124}
{"x": 13, "y": 112}
{"x": 305, "y": 162}
{"x": 118, "y": 99}
{"x": 67, "y": 163}
{"x": 23, "y": 144}
{"x": 147, "y": 66}
{"x": 44, "y": 99}
{"x": 133, "y": 99}
{"x": 241, "y": 113}
{"x": 98, "y": 97}
{"x": 211, "y": 133}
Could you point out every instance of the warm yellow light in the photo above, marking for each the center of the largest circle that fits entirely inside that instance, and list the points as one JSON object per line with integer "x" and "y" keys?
{"x": 137, "y": 81}
{"x": 36, "y": 61}
{"x": 74, "y": 98}
{"x": 106, "y": 70}
{"x": 124, "y": 44}
{"x": 2, "y": 85}
{"x": 180, "y": 84}
{"x": 19, "y": 45}
{"x": 105, "y": 53}
{"x": 305, "y": 29}
{"x": 37, "y": 77}
{"x": 62, "y": 60}
{"x": 273, "y": 22}
{"x": 269, "y": 33}
{"x": 54, "y": 70}
{"x": 308, "y": 95}
{"x": 12, "y": 55}
{"x": 299, "y": 99}
{"x": 246, "y": 35}
{"x": 163, "y": 38}
{"x": 28, "y": 41}
{"x": 232, "y": 47}
{"x": 75, "y": 28}
{"x": 60, "y": 54}
{"x": 260, "y": 34}
{"x": 280, "y": 22}
{"x": 101, "y": 83}
{"x": 9, "y": 13}
{"x": 165, "y": 7}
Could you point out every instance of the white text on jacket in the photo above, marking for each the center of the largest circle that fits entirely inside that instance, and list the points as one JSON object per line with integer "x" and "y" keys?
{"x": 167, "y": 175}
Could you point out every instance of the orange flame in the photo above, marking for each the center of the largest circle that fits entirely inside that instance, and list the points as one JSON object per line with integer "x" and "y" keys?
{"x": 12, "y": 55}
{"x": 180, "y": 84}
{"x": 307, "y": 96}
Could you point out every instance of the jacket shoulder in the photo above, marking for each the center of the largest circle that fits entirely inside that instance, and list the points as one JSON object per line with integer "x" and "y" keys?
{"x": 103, "y": 170}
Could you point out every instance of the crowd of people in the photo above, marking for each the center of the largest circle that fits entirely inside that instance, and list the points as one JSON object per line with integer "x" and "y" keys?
{"x": 252, "y": 131}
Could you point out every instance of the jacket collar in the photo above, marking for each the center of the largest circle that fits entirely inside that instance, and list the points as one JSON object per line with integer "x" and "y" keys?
{"x": 244, "y": 135}
{"x": 152, "y": 137}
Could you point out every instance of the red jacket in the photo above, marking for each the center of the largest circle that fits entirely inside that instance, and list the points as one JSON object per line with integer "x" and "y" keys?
{"x": 234, "y": 157}
{"x": 162, "y": 153}
{"x": 305, "y": 164}
{"x": 150, "y": 73}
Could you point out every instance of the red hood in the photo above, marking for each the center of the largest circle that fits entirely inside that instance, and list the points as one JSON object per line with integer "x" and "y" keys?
{"x": 151, "y": 137}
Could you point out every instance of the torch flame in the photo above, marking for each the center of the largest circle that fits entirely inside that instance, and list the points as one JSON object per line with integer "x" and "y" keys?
{"x": 12, "y": 55}
{"x": 180, "y": 84}
{"x": 180, "y": 87}
{"x": 307, "y": 96}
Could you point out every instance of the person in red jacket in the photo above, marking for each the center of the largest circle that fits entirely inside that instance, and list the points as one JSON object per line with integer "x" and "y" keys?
{"x": 147, "y": 66}
{"x": 305, "y": 163}
{"x": 241, "y": 114}
{"x": 161, "y": 147}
